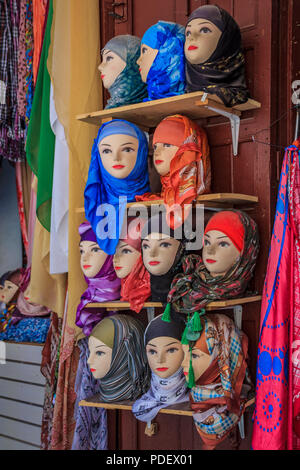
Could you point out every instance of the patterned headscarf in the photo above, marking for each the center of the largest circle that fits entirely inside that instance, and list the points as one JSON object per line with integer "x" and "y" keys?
{"x": 223, "y": 73}
{"x": 103, "y": 188}
{"x": 216, "y": 397}
{"x": 166, "y": 76}
{"x": 129, "y": 373}
{"x": 128, "y": 87}
{"x": 196, "y": 287}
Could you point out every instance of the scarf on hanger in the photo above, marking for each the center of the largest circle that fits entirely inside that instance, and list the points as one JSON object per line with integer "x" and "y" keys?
{"x": 128, "y": 87}
{"x": 105, "y": 286}
{"x": 224, "y": 72}
{"x": 195, "y": 286}
{"x": 129, "y": 374}
{"x": 102, "y": 188}
{"x": 166, "y": 76}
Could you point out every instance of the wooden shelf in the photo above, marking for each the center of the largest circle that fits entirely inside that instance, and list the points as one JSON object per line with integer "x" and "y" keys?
{"x": 150, "y": 113}
{"x": 182, "y": 409}
{"x": 118, "y": 305}
{"x": 218, "y": 200}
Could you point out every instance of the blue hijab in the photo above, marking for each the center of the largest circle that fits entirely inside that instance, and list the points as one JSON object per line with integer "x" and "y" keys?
{"x": 128, "y": 87}
{"x": 103, "y": 188}
{"x": 166, "y": 76}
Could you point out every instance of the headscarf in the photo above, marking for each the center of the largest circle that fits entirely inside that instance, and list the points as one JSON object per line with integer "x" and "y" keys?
{"x": 128, "y": 87}
{"x": 160, "y": 285}
{"x": 224, "y": 72}
{"x": 103, "y": 188}
{"x": 190, "y": 173}
{"x": 129, "y": 373}
{"x": 195, "y": 286}
{"x": 166, "y": 76}
{"x": 163, "y": 392}
{"x": 216, "y": 397}
{"x": 105, "y": 286}
{"x": 135, "y": 288}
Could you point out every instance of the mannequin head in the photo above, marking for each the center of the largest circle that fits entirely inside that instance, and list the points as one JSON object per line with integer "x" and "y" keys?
{"x": 167, "y": 138}
{"x": 118, "y": 147}
{"x": 9, "y": 285}
{"x": 200, "y": 361}
{"x": 100, "y": 356}
{"x": 223, "y": 242}
{"x": 111, "y": 67}
{"x": 92, "y": 258}
{"x": 201, "y": 40}
{"x": 145, "y": 61}
{"x": 128, "y": 249}
{"x": 163, "y": 346}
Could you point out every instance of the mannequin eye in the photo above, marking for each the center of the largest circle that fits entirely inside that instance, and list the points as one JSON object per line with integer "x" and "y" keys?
{"x": 172, "y": 350}
{"x": 100, "y": 353}
{"x": 223, "y": 244}
{"x": 187, "y": 34}
{"x": 95, "y": 250}
{"x": 9, "y": 287}
{"x": 127, "y": 149}
{"x": 144, "y": 50}
{"x": 205, "y": 30}
{"x": 168, "y": 145}
{"x": 109, "y": 57}
{"x": 106, "y": 151}
{"x": 151, "y": 351}
{"x": 145, "y": 246}
{"x": 126, "y": 251}
{"x": 195, "y": 356}
{"x": 165, "y": 244}
{"x": 206, "y": 242}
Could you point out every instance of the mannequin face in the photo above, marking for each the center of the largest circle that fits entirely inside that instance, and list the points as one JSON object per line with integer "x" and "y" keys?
{"x": 164, "y": 355}
{"x": 219, "y": 253}
{"x": 159, "y": 252}
{"x": 124, "y": 259}
{"x": 100, "y": 357}
{"x": 92, "y": 258}
{"x": 201, "y": 40}
{"x": 111, "y": 67}
{"x": 146, "y": 60}
{"x": 118, "y": 153}
{"x": 200, "y": 360}
{"x": 162, "y": 156}
{"x": 7, "y": 291}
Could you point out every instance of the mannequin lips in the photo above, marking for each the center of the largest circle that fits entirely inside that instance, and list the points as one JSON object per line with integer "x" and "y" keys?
{"x": 93, "y": 370}
{"x": 86, "y": 266}
{"x": 158, "y": 162}
{"x": 192, "y": 48}
{"x": 185, "y": 373}
{"x": 154, "y": 263}
{"x": 208, "y": 260}
{"x": 118, "y": 267}
{"x": 162, "y": 369}
{"x": 118, "y": 167}
{"x": 102, "y": 76}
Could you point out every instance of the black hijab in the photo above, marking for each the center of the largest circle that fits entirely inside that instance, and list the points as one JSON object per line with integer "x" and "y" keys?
{"x": 160, "y": 285}
{"x": 224, "y": 72}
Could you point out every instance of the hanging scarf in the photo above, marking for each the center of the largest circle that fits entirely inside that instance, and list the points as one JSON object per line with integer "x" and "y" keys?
{"x": 91, "y": 421}
{"x": 277, "y": 377}
{"x": 103, "y": 287}
{"x": 128, "y": 87}
{"x": 190, "y": 173}
{"x": 160, "y": 285}
{"x": 216, "y": 397}
{"x": 166, "y": 76}
{"x": 102, "y": 188}
{"x": 129, "y": 375}
{"x": 223, "y": 73}
{"x": 196, "y": 287}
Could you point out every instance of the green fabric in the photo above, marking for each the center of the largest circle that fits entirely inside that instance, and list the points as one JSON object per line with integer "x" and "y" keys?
{"x": 40, "y": 142}
{"x": 167, "y": 314}
{"x": 105, "y": 331}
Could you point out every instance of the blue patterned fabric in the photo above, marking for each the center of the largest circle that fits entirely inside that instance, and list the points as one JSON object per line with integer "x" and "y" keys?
{"x": 29, "y": 330}
{"x": 128, "y": 87}
{"x": 166, "y": 76}
{"x": 102, "y": 188}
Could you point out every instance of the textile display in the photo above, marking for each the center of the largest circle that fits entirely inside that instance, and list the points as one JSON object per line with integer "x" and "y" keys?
{"x": 166, "y": 76}
{"x": 40, "y": 11}
{"x": 28, "y": 330}
{"x": 91, "y": 422}
{"x": 195, "y": 286}
{"x": 224, "y": 72}
{"x": 128, "y": 87}
{"x": 103, "y": 188}
{"x": 278, "y": 377}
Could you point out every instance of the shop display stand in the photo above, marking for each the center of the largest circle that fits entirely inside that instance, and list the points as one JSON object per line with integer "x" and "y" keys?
{"x": 147, "y": 115}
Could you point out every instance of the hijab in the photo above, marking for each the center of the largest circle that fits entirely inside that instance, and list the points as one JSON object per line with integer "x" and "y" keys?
{"x": 163, "y": 392}
{"x": 223, "y": 73}
{"x": 160, "y": 285}
{"x": 128, "y": 87}
{"x": 195, "y": 286}
{"x": 103, "y": 188}
{"x": 166, "y": 76}
{"x": 129, "y": 373}
{"x": 103, "y": 287}
{"x": 135, "y": 288}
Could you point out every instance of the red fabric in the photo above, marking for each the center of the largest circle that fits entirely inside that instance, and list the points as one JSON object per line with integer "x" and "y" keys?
{"x": 169, "y": 132}
{"x": 135, "y": 288}
{"x": 131, "y": 232}
{"x": 230, "y": 224}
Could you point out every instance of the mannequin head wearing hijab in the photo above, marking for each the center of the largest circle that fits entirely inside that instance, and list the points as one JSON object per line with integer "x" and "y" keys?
{"x": 92, "y": 258}
{"x": 163, "y": 346}
{"x": 117, "y": 358}
{"x": 128, "y": 250}
{"x": 214, "y": 57}
{"x": 9, "y": 285}
{"x": 119, "y": 71}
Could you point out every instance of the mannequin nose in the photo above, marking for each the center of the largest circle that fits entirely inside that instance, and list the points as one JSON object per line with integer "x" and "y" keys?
{"x": 139, "y": 60}
{"x": 115, "y": 259}
{"x": 157, "y": 152}
{"x": 211, "y": 249}
{"x": 100, "y": 66}
{"x": 185, "y": 362}
{"x": 153, "y": 252}
{"x": 160, "y": 357}
{"x": 89, "y": 359}
{"x": 117, "y": 156}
